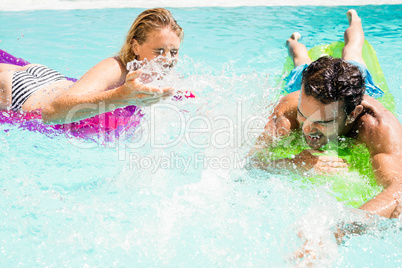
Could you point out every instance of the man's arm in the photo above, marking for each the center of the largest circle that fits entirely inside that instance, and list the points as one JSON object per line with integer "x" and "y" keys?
{"x": 381, "y": 131}
{"x": 280, "y": 123}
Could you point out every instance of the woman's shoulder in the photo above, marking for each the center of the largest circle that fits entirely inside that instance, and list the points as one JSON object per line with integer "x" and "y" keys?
{"x": 109, "y": 72}
{"x": 110, "y": 67}
{"x": 112, "y": 62}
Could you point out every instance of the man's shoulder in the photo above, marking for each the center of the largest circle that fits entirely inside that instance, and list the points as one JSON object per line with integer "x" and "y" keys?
{"x": 370, "y": 117}
{"x": 286, "y": 110}
{"x": 376, "y": 123}
{"x": 374, "y": 112}
{"x": 288, "y": 102}
{"x": 291, "y": 97}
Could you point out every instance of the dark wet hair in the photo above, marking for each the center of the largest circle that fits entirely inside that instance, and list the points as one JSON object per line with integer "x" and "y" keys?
{"x": 329, "y": 80}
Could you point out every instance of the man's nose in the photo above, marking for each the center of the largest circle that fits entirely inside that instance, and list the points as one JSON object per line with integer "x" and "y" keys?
{"x": 309, "y": 127}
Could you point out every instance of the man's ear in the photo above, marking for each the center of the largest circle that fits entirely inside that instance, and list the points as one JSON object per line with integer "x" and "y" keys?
{"x": 354, "y": 114}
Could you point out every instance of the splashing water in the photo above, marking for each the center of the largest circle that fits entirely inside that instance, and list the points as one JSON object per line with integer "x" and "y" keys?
{"x": 176, "y": 191}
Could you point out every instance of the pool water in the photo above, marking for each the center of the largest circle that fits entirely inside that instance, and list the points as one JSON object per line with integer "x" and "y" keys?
{"x": 163, "y": 196}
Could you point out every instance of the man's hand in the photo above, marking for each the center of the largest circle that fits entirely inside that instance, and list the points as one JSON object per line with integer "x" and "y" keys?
{"x": 321, "y": 164}
{"x": 397, "y": 211}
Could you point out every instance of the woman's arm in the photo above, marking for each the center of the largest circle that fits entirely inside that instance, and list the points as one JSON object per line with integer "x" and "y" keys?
{"x": 105, "y": 87}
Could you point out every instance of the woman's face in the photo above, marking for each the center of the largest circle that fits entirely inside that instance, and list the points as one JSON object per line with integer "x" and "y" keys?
{"x": 163, "y": 43}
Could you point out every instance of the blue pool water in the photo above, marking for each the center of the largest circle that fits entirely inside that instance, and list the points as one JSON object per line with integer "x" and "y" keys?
{"x": 68, "y": 202}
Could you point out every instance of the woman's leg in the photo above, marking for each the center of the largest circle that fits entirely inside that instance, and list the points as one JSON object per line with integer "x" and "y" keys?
{"x": 4, "y": 67}
{"x": 297, "y": 50}
{"x": 354, "y": 38}
{"x": 6, "y": 76}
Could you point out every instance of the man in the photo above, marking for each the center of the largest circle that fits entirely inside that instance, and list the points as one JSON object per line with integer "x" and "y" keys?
{"x": 331, "y": 103}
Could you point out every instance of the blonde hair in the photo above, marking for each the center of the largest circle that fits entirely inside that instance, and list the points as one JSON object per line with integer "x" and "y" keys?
{"x": 148, "y": 21}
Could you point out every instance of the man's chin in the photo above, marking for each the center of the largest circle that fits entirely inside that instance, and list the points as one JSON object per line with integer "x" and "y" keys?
{"x": 316, "y": 144}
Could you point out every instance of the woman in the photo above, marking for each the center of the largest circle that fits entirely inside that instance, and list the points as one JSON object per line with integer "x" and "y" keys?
{"x": 154, "y": 33}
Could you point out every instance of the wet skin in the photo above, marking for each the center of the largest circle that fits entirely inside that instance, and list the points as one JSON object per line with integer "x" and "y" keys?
{"x": 320, "y": 123}
{"x": 370, "y": 123}
{"x": 163, "y": 43}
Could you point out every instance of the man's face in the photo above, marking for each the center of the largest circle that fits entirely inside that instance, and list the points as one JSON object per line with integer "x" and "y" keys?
{"x": 320, "y": 122}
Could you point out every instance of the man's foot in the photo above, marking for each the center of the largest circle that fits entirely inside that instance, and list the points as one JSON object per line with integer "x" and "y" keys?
{"x": 294, "y": 37}
{"x": 352, "y": 16}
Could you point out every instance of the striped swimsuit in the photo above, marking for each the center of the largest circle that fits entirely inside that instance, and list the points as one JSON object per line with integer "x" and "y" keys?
{"x": 27, "y": 82}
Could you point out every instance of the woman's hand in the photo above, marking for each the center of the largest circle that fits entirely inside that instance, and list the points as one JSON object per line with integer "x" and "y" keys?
{"x": 139, "y": 94}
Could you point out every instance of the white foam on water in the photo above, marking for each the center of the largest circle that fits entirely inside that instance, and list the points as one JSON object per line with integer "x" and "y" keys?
{"x": 10, "y": 5}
